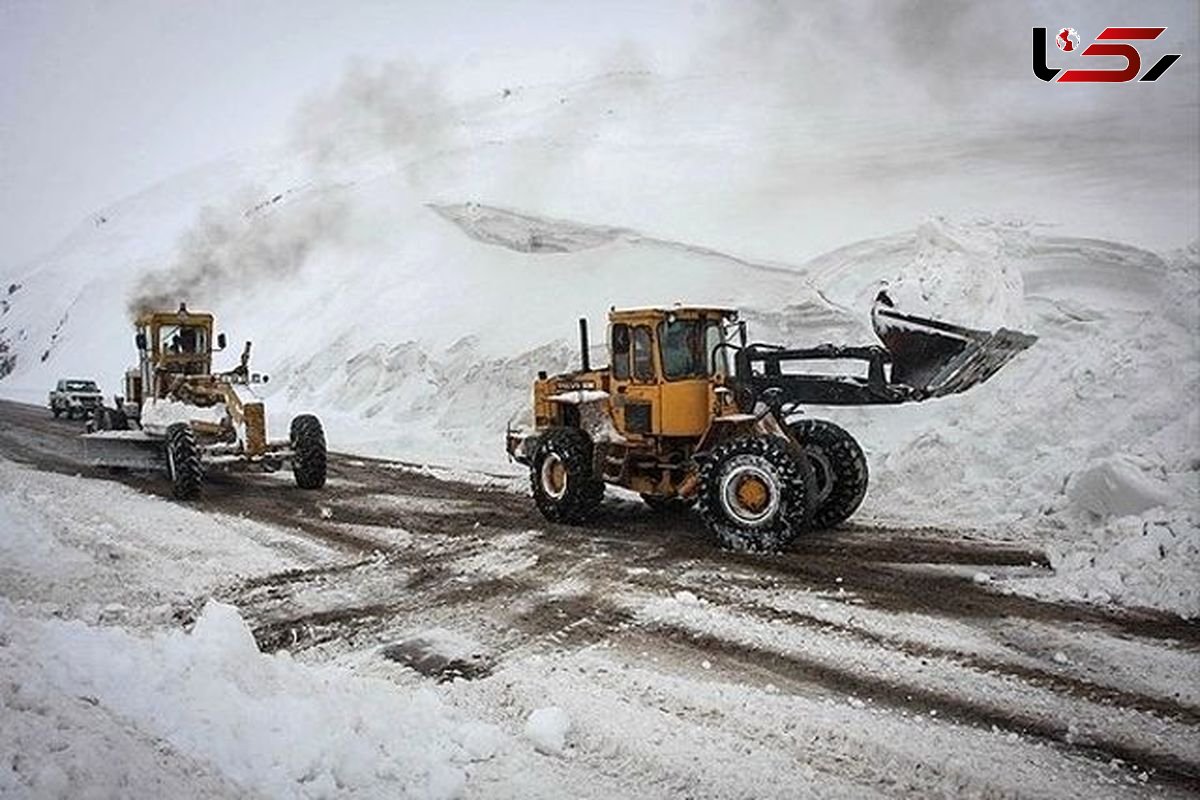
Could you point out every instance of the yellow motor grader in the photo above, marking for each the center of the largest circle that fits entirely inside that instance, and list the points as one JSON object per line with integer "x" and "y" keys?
{"x": 688, "y": 412}
{"x": 178, "y": 414}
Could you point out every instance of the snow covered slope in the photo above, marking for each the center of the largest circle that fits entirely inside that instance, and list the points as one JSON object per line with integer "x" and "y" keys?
{"x": 407, "y": 263}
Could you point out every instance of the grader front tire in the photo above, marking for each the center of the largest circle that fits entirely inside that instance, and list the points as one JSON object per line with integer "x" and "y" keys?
{"x": 184, "y": 467}
{"x": 309, "y": 455}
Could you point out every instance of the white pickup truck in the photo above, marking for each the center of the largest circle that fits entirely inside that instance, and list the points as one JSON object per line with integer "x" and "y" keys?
{"x": 75, "y": 397}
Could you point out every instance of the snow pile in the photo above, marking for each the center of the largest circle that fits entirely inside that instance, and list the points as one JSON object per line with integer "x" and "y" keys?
{"x": 965, "y": 273}
{"x": 75, "y": 547}
{"x": 1094, "y": 423}
{"x": 547, "y": 728}
{"x": 1117, "y": 486}
{"x": 1148, "y": 561}
{"x": 268, "y": 724}
{"x": 158, "y": 415}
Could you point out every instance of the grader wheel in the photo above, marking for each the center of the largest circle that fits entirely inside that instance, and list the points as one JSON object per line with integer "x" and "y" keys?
{"x": 309, "y": 459}
{"x": 183, "y": 462}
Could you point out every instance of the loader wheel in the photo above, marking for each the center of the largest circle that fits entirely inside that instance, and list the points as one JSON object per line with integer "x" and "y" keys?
{"x": 756, "y": 493}
{"x": 668, "y": 505}
{"x": 308, "y": 452}
{"x": 840, "y": 467}
{"x": 56, "y": 411}
{"x": 560, "y": 475}
{"x": 183, "y": 462}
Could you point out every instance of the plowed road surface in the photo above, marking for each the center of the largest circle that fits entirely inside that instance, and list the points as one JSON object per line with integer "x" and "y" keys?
{"x": 872, "y": 660}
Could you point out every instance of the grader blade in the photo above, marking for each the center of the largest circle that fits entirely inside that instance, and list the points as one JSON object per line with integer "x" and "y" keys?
{"x": 936, "y": 358}
{"x": 123, "y": 449}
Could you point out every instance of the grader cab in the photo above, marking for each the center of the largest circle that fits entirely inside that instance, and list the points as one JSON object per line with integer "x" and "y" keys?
{"x": 688, "y": 412}
{"x": 178, "y": 414}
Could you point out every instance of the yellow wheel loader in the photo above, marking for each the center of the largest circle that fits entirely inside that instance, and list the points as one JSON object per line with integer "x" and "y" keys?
{"x": 178, "y": 415}
{"x": 688, "y": 412}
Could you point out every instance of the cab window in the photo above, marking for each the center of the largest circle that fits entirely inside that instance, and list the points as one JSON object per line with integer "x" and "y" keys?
{"x": 183, "y": 339}
{"x": 643, "y": 354}
{"x": 620, "y": 352}
{"x": 714, "y": 335}
{"x": 687, "y": 345}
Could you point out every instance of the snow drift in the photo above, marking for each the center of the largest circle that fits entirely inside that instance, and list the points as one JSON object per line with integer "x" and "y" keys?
{"x": 270, "y": 725}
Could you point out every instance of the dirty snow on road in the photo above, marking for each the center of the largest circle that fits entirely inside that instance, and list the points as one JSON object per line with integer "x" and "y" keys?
{"x": 436, "y": 640}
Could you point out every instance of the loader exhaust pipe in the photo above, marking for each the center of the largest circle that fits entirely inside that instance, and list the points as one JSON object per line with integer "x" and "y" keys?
{"x": 583, "y": 345}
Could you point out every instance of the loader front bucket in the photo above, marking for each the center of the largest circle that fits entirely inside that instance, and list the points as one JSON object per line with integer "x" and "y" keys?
{"x": 936, "y": 358}
{"x": 124, "y": 449}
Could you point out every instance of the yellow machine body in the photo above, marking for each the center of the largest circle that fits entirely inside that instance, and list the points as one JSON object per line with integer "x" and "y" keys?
{"x": 661, "y": 397}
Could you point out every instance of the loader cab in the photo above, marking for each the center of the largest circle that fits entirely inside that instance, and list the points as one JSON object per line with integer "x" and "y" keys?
{"x": 666, "y": 364}
{"x": 172, "y": 344}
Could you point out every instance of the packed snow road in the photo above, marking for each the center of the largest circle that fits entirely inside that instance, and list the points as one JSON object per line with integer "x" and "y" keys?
{"x": 867, "y": 661}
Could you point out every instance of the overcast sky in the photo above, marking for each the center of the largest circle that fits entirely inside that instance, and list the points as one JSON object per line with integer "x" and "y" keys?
{"x": 100, "y": 99}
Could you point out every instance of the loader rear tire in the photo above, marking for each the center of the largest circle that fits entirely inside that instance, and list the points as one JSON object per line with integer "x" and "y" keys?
{"x": 184, "y": 467}
{"x": 756, "y": 493}
{"x": 840, "y": 467}
{"x": 561, "y": 478}
{"x": 309, "y": 455}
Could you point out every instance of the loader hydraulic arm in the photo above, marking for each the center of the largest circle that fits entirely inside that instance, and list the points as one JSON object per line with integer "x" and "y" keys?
{"x": 921, "y": 359}
{"x": 760, "y": 368}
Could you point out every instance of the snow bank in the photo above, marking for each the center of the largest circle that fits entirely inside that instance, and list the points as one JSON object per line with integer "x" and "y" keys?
{"x": 268, "y": 724}
{"x": 1143, "y": 561}
{"x": 77, "y": 546}
{"x": 965, "y": 273}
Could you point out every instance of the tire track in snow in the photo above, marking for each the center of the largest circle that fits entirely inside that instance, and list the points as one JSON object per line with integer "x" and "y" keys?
{"x": 1168, "y": 767}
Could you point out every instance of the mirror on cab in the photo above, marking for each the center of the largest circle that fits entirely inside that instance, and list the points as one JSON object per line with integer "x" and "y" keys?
{"x": 220, "y": 341}
{"x": 140, "y": 341}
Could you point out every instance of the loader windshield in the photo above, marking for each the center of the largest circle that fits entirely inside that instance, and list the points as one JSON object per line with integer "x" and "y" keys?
{"x": 687, "y": 345}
